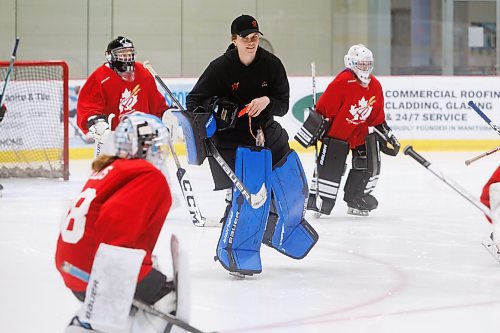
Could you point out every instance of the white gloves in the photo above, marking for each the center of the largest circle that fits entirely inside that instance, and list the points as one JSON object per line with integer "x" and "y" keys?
{"x": 99, "y": 125}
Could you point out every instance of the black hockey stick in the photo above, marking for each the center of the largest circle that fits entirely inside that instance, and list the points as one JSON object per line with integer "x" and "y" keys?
{"x": 485, "y": 117}
{"x": 184, "y": 182}
{"x": 255, "y": 200}
{"x": 9, "y": 70}
{"x": 84, "y": 276}
{"x": 489, "y": 152}
{"x": 488, "y": 245}
{"x": 425, "y": 163}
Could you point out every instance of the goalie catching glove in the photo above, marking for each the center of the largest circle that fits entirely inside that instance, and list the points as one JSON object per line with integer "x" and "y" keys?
{"x": 225, "y": 112}
{"x": 99, "y": 125}
{"x": 385, "y": 132}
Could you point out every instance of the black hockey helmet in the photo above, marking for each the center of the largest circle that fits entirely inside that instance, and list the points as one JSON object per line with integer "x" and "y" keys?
{"x": 120, "y": 55}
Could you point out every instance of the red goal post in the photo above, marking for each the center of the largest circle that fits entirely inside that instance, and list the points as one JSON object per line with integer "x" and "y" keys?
{"x": 34, "y": 131}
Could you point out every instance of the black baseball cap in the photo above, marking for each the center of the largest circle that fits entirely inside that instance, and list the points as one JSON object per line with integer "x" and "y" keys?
{"x": 244, "y": 25}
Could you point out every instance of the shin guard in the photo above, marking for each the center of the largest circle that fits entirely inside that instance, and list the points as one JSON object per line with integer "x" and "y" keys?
{"x": 331, "y": 167}
{"x": 238, "y": 249}
{"x": 287, "y": 231}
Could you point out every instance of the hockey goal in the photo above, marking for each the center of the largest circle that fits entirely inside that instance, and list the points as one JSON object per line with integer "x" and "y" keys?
{"x": 34, "y": 131}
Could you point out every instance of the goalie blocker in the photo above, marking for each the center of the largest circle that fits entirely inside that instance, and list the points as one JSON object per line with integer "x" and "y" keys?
{"x": 313, "y": 129}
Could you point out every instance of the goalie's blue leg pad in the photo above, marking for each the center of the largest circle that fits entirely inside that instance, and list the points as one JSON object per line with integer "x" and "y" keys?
{"x": 287, "y": 230}
{"x": 239, "y": 244}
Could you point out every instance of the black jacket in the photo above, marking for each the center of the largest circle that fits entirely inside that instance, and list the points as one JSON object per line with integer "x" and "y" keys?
{"x": 227, "y": 77}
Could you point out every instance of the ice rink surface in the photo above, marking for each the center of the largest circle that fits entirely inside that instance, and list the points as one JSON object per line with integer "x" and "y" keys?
{"x": 416, "y": 264}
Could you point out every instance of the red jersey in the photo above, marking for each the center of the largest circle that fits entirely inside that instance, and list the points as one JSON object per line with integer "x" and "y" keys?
{"x": 351, "y": 107}
{"x": 105, "y": 92}
{"x": 485, "y": 196}
{"x": 124, "y": 205}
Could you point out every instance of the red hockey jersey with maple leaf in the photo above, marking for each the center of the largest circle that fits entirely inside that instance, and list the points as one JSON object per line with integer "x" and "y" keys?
{"x": 105, "y": 92}
{"x": 124, "y": 205}
{"x": 351, "y": 107}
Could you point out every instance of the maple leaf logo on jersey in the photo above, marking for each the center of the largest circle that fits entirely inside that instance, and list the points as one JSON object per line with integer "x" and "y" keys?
{"x": 361, "y": 111}
{"x": 128, "y": 100}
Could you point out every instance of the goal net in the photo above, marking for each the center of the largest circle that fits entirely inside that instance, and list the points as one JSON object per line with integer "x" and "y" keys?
{"x": 34, "y": 131}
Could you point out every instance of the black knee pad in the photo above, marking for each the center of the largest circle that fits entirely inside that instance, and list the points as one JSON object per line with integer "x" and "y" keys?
{"x": 330, "y": 168}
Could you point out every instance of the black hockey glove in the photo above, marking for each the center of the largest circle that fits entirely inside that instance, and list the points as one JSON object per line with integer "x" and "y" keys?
{"x": 225, "y": 112}
{"x": 3, "y": 109}
{"x": 387, "y": 137}
{"x": 313, "y": 129}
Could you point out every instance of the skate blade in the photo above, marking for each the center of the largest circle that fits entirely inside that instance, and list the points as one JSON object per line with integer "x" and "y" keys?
{"x": 492, "y": 249}
{"x": 357, "y": 212}
{"x": 317, "y": 215}
{"x": 239, "y": 275}
{"x": 212, "y": 223}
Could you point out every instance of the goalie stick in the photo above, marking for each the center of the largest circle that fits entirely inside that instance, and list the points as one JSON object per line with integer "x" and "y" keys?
{"x": 187, "y": 189}
{"x": 255, "y": 200}
{"x": 172, "y": 320}
{"x": 315, "y": 173}
{"x": 9, "y": 70}
{"x": 490, "y": 246}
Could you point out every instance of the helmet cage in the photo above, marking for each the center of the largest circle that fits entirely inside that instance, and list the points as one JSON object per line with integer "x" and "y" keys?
{"x": 360, "y": 60}
{"x": 142, "y": 136}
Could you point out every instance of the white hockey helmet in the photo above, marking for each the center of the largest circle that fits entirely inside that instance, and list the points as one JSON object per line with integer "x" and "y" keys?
{"x": 141, "y": 135}
{"x": 360, "y": 60}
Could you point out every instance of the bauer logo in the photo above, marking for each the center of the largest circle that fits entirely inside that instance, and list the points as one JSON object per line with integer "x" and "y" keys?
{"x": 300, "y": 108}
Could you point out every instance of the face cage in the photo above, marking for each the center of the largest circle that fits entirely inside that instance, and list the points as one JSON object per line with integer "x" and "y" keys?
{"x": 363, "y": 69}
{"x": 152, "y": 148}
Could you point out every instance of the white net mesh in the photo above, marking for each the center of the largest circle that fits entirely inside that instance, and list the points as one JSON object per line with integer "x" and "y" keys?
{"x": 32, "y": 134}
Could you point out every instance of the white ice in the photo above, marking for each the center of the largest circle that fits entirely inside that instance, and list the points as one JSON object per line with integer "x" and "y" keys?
{"x": 415, "y": 265}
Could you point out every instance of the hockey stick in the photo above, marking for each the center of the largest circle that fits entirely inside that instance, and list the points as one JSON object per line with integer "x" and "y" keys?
{"x": 255, "y": 200}
{"x": 488, "y": 245}
{"x": 184, "y": 182}
{"x": 485, "y": 117}
{"x": 426, "y": 164}
{"x": 187, "y": 189}
{"x": 9, "y": 70}
{"x": 84, "y": 276}
{"x": 489, "y": 152}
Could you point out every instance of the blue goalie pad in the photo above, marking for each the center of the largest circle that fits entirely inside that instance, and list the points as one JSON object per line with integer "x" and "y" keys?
{"x": 196, "y": 127}
{"x": 239, "y": 244}
{"x": 287, "y": 230}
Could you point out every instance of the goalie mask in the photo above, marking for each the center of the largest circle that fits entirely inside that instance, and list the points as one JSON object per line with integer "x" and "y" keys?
{"x": 360, "y": 60}
{"x": 120, "y": 55}
{"x": 141, "y": 135}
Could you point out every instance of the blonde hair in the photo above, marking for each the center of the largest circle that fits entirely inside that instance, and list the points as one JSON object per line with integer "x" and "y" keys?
{"x": 103, "y": 161}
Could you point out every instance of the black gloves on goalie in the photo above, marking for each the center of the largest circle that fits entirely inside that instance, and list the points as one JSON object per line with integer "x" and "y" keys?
{"x": 386, "y": 137}
{"x": 313, "y": 129}
{"x": 3, "y": 109}
{"x": 225, "y": 112}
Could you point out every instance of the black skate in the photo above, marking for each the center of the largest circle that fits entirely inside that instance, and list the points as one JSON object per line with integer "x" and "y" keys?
{"x": 361, "y": 206}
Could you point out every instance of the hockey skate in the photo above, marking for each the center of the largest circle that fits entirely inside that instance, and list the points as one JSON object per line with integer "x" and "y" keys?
{"x": 492, "y": 249}
{"x": 361, "y": 206}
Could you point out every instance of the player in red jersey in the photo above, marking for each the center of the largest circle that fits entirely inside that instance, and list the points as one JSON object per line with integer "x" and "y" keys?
{"x": 124, "y": 203}
{"x": 352, "y": 102}
{"x": 118, "y": 87}
{"x": 491, "y": 198}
